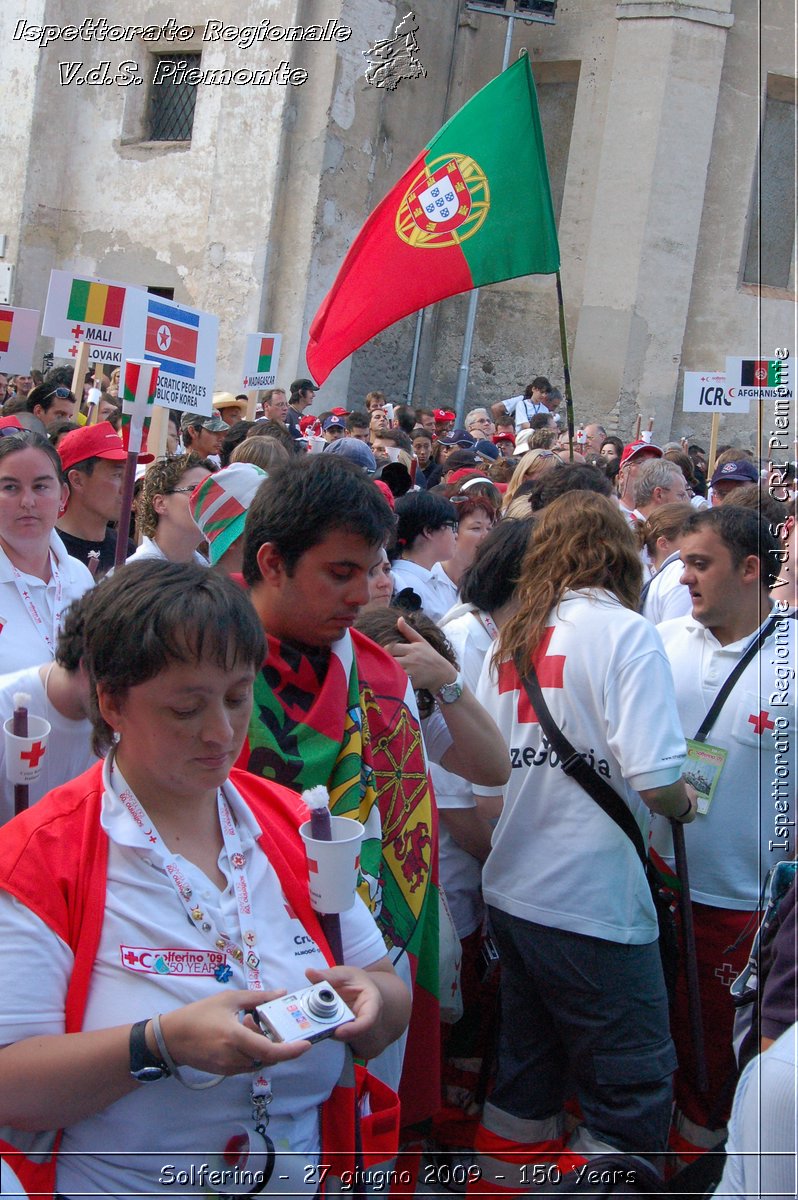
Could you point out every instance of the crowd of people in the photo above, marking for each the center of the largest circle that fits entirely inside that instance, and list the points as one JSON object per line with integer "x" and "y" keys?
{"x": 531, "y": 669}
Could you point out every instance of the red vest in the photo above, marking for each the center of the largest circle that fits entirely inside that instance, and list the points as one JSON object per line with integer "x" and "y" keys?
{"x": 54, "y": 859}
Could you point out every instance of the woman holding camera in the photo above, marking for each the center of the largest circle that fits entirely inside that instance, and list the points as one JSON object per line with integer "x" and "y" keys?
{"x": 147, "y": 905}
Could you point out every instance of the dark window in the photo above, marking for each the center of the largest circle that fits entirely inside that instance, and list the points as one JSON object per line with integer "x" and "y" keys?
{"x": 172, "y": 99}
{"x": 166, "y": 293}
{"x": 771, "y": 236}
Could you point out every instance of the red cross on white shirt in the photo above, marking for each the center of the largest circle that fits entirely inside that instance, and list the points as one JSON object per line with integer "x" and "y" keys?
{"x": 761, "y": 722}
{"x": 549, "y": 670}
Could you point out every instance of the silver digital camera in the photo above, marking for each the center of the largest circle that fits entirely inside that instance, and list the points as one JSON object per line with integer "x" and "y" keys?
{"x": 306, "y": 1016}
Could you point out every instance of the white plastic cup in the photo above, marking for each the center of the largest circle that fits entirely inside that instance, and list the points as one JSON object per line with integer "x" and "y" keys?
{"x": 332, "y": 866}
{"x": 25, "y": 755}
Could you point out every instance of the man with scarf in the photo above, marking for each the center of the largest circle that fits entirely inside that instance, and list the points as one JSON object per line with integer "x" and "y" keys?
{"x": 333, "y": 708}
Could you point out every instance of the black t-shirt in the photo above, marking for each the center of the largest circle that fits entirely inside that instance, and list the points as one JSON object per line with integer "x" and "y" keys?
{"x": 97, "y": 556}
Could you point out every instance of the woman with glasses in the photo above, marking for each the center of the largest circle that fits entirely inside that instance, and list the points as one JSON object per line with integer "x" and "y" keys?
{"x": 165, "y": 523}
{"x": 426, "y": 533}
{"x": 476, "y": 516}
{"x": 38, "y": 579}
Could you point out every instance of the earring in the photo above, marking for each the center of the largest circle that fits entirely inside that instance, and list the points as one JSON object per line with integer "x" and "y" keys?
{"x": 117, "y": 737}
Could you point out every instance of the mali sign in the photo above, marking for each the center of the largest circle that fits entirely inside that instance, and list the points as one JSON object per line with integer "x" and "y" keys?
{"x": 83, "y": 309}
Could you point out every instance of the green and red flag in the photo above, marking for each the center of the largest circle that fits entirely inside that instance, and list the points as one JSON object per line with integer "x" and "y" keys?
{"x": 760, "y": 372}
{"x": 473, "y": 208}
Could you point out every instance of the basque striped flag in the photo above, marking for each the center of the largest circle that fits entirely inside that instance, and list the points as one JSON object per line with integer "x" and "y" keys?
{"x": 171, "y": 338}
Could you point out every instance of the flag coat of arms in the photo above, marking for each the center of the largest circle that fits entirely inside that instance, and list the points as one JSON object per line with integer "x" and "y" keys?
{"x": 19, "y": 328}
{"x": 761, "y": 377}
{"x": 473, "y": 208}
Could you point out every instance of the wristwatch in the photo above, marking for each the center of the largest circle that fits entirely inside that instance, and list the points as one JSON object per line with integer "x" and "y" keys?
{"x": 145, "y": 1066}
{"x": 450, "y": 691}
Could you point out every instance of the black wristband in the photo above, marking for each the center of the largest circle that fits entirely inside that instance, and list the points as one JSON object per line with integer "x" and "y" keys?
{"x": 145, "y": 1067}
{"x": 686, "y": 813}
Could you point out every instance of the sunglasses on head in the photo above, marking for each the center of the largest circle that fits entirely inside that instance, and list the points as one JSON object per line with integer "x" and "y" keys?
{"x": 62, "y": 393}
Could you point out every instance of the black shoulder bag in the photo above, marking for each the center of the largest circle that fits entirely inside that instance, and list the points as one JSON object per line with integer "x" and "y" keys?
{"x": 575, "y": 766}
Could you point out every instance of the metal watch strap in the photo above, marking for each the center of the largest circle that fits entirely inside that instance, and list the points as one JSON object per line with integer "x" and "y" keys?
{"x": 143, "y": 1063}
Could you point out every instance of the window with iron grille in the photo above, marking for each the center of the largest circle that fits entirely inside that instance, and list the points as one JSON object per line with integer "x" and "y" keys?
{"x": 172, "y": 99}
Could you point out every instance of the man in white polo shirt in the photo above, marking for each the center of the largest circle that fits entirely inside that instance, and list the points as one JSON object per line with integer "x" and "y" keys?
{"x": 747, "y": 822}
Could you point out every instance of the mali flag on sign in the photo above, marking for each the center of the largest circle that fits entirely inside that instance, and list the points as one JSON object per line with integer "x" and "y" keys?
{"x": 96, "y": 303}
{"x": 760, "y": 372}
{"x": 473, "y": 208}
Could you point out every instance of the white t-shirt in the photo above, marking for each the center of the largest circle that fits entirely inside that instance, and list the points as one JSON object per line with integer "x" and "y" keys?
{"x": 557, "y": 858}
{"x": 21, "y": 642}
{"x": 524, "y": 410}
{"x": 148, "y": 548}
{"x": 144, "y": 966}
{"x": 731, "y": 848}
{"x": 762, "y": 1147}
{"x": 68, "y": 753}
{"x": 667, "y": 597}
{"x": 459, "y": 872}
{"x": 435, "y": 599}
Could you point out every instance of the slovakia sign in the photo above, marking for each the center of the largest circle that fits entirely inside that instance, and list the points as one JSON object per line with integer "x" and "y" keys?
{"x": 107, "y": 355}
{"x": 19, "y": 328}
{"x": 83, "y": 309}
{"x": 705, "y": 391}
{"x": 261, "y": 360}
{"x": 182, "y": 342}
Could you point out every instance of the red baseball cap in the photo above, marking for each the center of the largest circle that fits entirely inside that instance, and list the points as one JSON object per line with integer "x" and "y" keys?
{"x": 443, "y": 414}
{"x": 339, "y": 412}
{"x": 503, "y": 437}
{"x": 92, "y": 441}
{"x": 11, "y": 423}
{"x": 635, "y": 449}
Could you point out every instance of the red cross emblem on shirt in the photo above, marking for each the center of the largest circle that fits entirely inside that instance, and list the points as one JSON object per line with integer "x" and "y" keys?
{"x": 35, "y": 755}
{"x": 761, "y": 722}
{"x": 549, "y": 670}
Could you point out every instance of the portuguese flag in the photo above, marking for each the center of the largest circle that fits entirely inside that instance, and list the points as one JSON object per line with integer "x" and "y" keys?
{"x": 473, "y": 208}
{"x": 760, "y": 372}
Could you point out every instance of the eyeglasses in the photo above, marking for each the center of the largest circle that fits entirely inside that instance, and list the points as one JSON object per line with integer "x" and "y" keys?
{"x": 450, "y": 525}
{"x": 186, "y": 491}
{"x": 62, "y": 393}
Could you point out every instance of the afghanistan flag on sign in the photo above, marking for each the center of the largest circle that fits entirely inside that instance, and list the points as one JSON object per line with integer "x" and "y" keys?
{"x": 760, "y": 372}
{"x": 473, "y": 208}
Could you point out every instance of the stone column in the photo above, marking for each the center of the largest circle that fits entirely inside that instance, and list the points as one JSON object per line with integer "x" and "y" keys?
{"x": 656, "y": 146}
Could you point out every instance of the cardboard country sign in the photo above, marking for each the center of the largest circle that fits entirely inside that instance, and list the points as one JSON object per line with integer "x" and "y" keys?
{"x": 706, "y": 391}
{"x": 262, "y": 360}
{"x": 18, "y": 331}
{"x": 182, "y": 341}
{"x": 81, "y": 308}
{"x": 110, "y": 356}
{"x": 760, "y": 378}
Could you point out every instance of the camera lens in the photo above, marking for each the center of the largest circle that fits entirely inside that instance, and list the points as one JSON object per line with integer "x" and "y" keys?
{"x": 323, "y": 1003}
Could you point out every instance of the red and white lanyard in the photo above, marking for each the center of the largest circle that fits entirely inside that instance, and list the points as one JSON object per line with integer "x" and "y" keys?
{"x": 489, "y": 624}
{"x": 32, "y": 609}
{"x": 243, "y": 951}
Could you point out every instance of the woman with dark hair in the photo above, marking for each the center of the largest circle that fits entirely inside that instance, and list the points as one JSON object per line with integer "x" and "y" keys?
{"x": 156, "y": 899}
{"x": 38, "y": 579}
{"x": 583, "y": 998}
{"x": 425, "y": 534}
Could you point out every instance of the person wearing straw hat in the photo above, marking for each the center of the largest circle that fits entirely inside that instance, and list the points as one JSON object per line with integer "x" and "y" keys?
{"x": 229, "y": 407}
